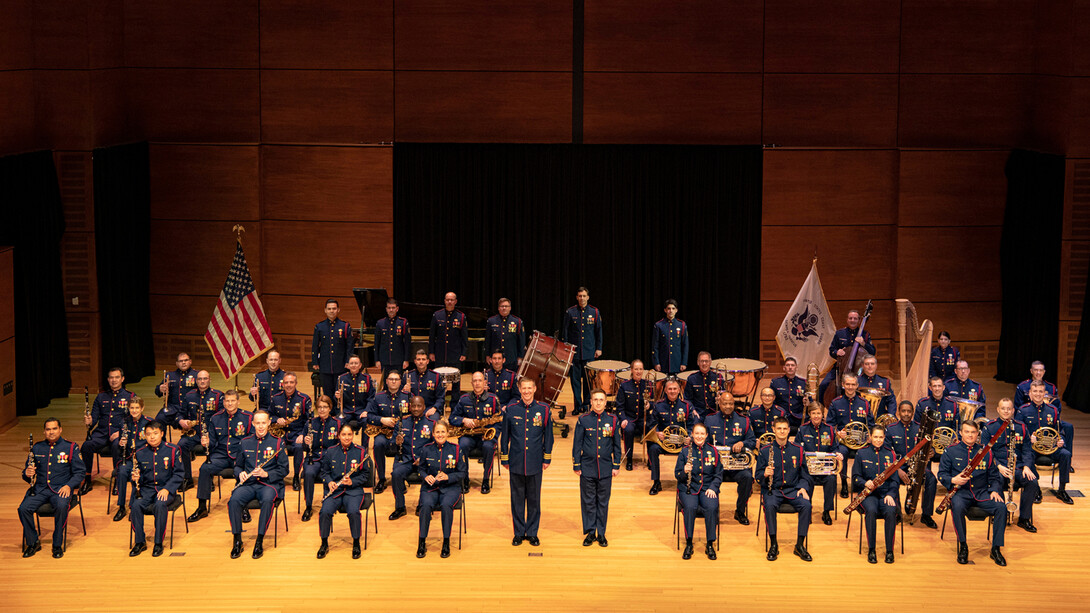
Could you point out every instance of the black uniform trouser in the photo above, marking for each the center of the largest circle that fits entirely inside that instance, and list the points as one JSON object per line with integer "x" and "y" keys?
{"x": 211, "y": 467}
{"x": 654, "y": 450}
{"x": 525, "y": 503}
{"x": 379, "y": 455}
{"x": 689, "y": 503}
{"x": 744, "y": 479}
{"x": 124, "y": 477}
{"x": 594, "y": 498}
{"x": 874, "y": 506}
{"x": 579, "y": 382}
{"x": 828, "y": 488}
{"x": 329, "y": 383}
{"x": 30, "y": 504}
{"x": 960, "y": 503}
{"x": 773, "y": 500}
{"x": 297, "y": 451}
{"x": 98, "y": 442}
{"x": 242, "y": 495}
{"x": 186, "y": 444}
{"x": 628, "y": 434}
{"x": 148, "y": 499}
{"x": 310, "y": 475}
{"x": 349, "y": 502}
{"x": 488, "y": 451}
{"x": 444, "y": 499}
{"x": 401, "y": 472}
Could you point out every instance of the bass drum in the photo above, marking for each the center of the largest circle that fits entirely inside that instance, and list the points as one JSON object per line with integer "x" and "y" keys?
{"x": 547, "y": 361}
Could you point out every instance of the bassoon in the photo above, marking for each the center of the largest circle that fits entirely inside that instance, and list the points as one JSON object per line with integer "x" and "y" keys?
{"x": 917, "y": 468}
{"x": 886, "y": 474}
{"x": 970, "y": 467}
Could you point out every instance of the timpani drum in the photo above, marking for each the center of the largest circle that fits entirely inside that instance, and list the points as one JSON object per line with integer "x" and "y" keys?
{"x": 746, "y": 372}
{"x": 546, "y": 361}
{"x": 602, "y": 374}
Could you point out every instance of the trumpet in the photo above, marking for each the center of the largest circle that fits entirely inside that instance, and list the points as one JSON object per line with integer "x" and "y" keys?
{"x": 480, "y": 429}
{"x": 1047, "y": 440}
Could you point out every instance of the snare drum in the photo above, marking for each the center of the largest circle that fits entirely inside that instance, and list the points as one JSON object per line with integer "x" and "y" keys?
{"x": 603, "y": 374}
{"x": 448, "y": 375}
{"x": 747, "y": 373}
{"x": 546, "y": 361}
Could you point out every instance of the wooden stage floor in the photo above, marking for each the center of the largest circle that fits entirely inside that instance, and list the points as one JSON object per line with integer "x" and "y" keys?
{"x": 640, "y": 570}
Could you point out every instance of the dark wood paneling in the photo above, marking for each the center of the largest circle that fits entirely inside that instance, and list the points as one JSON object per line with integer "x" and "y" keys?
{"x": 328, "y": 183}
{"x": 179, "y": 314}
{"x": 856, "y": 271}
{"x": 513, "y": 107}
{"x": 483, "y": 35}
{"x": 298, "y": 314}
{"x": 195, "y": 105}
{"x": 7, "y": 375}
{"x": 63, "y": 115}
{"x": 696, "y": 36}
{"x": 952, "y": 188}
{"x": 346, "y": 35}
{"x": 830, "y": 110}
{"x": 948, "y": 264}
{"x": 1079, "y": 138}
{"x": 191, "y": 34}
{"x": 79, "y": 276}
{"x": 298, "y": 263}
{"x": 106, "y": 34}
{"x": 964, "y": 110}
{"x": 977, "y": 36}
{"x": 16, "y": 35}
{"x": 1080, "y": 42}
{"x": 193, "y": 182}
{"x": 192, "y": 257}
{"x": 61, "y": 35}
{"x": 804, "y": 188}
{"x": 965, "y": 321}
{"x": 672, "y": 108}
{"x": 831, "y": 36}
{"x": 331, "y": 106}
{"x": 109, "y": 107}
{"x": 84, "y": 350}
{"x": 1051, "y": 108}
{"x": 17, "y": 132}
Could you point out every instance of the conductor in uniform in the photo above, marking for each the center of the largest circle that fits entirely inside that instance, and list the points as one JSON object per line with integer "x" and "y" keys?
{"x": 526, "y": 447}
{"x": 596, "y": 459}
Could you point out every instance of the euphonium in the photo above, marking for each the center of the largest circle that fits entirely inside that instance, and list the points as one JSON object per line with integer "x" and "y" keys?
{"x": 1047, "y": 440}
{"x": 822, "y": 463}
{"x": 743, "y": 460}
{"x": 482, "y": 428}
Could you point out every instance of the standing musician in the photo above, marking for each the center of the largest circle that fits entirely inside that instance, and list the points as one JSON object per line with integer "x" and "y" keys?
{"x": 104, "y": 411}
{"x": 157, "y": 469}
{"x": 442, "y": 468}
{"x": 322, "y": 433}
{"x": 504, "y": 334}
{"x": 673, "y": 411}
{"x": 703, "y": 462}
{"x": 330, "y": 347}
{"x": 841, "y": 345}
{"x": 790, "y": 394}
{"x": 292, "y": 408}
{"x": 448, "y": 340}
{"x": 1038, "y": 414}
{"x": 526, "y": 448}
{"x": 1015, "y": 440}
{"x": 844, "y": 410}
{"x": 178, "y": 383}
{"x": 726, "y": 428}
{"x": 784, "y": 478}
{"x": 200, "y": 403}
{"x": 1036, "y": 373}
{"x": 702, "y": 386}
{"x": 870, "y": 462}
{"x": 54, "y": 474}
{"x": 943, "y": 358}
{"x": 670, "y": 342}
{"x": 267, "y": 382}
{"x": 131, "y": 424}
{"x": 937, "y": 402}
{"x": 354, "y": 392}
{"x": 385, "y": 409}
{"x": 226, "y": 429}
{"x": 962, "y": 386}
{"x": 870, "y": 378}
{"x": 346, "y": 471}
{"x": 762, "y": 415}
{"x": 393, "y": 341}
{"x": 471, "y": 408}
{"x": 501, "y": 381}
{"x": 816, "y": 435}
{"x": 901, "y": 436}
{"x": 596, "y": 459}
{"x": 260, "y": 468}
{"x": 413, "y": 432}
{"x": 582, "y": 327}
{"x": 981, "y": 489}
{"x": 426, "y": 383}
{"x": 633, "y": 407}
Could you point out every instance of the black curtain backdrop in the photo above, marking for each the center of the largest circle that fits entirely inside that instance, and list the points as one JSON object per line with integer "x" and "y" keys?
{"x": 122, "y": 247}
{"x": 1029, "y": 262}
{"x": 1077, "y": 393}
{"x": 634, "y": 224}
{"x": 33, "y": 223}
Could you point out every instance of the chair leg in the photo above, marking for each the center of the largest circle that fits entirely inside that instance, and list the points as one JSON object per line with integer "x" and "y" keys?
{"x": 109, "y": 491}
{"x": 760, "y": 509}
{"x": 185, "y": 517}
{"x": 366, "y": 525}
{"x": 276, "y": 522}
{"x": 172, "y": 513}
{"x": 942, "y": 535}
{"x": 219, "y": 487}
{"x": 902, "y": 534}
{"x": 989, "y": 529}
{"x": 462, "y": 523}
{"x": 861, "y": 522}
{"x": 286, "y": 529}
{"x": 848, "y": 529}
{"x": 81, "y": 520}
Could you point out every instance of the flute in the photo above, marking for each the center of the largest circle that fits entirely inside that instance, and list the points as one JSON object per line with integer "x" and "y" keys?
{"x": 262, "y": 465}
{"x": 366, "y": 458}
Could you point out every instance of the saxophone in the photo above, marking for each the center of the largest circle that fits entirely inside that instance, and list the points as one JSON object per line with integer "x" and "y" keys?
{"x": 278, "y": 430}
{"x": 481, "y": 428}
{"x": 1012, "y": 464}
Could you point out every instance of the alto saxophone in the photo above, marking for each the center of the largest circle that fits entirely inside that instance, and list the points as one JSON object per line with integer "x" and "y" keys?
{"x": 482, "y": 428}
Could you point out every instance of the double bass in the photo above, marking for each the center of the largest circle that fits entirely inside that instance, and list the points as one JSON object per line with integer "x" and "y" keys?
{"x": 850, "y": 361}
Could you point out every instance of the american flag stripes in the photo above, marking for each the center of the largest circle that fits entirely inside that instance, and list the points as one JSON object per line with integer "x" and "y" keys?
{"x": 238, "y": 331}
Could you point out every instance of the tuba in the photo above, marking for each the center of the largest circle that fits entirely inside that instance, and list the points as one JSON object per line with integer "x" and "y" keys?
{"x": 1048, "y": 440}
{"x": 672, "y": 441}
{"x": 855, "y": 435}
{"x": 743, "y": 460}
{"x": 967, "y": 409}
{"x": 822, "y": 463}
{"x": 874, "y": 397}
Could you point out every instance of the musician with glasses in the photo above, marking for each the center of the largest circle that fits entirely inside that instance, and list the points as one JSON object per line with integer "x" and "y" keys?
{"x": 870, "y": 378}
{"x": 870, "y": 462}
{"x": 901, "y": 437}
{"x": 702, "y": 386}
{"x": 504, "y": 334}
{"x": 817, "y": 436}
{"x": 980, "y": 489}
{"x": 784, "y": 479}
{"x": 596, "y": 459}
{"x": 322, "y": 433}
{"x": 260, "y": 468}
{"x": 789, "y": 392}
{"x": 1014, "y": 444}
{"x": 943, "y": 358}
{"x": 762, "y": 415}
{"x": 385, "y": 410}
{"x": 726, "y": 428}
{"x": 844, "y": 410}
{"x": 54, "y": 473}
{"x": 633, "y": 407}
{"x": 672, "y": 411}
{"x": 699, "y": 472}
{"x": 1037, "y": 414}
{"x": 346, "y": 470}
{"x": 842, "y": 343}
{"x": 961, "y": 386}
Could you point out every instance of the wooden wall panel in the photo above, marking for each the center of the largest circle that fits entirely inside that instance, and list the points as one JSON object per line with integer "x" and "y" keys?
{"x": 696, "y": 36}
{"x": 965, "y": 268}
{"x": 326, "y": 106}
{"x": 964, "y": 111}
{"x": 296, "y": 263}
{"x": 194, "y": 105}
{"x": 1079, "y": 137}
{"x": 830, "y": 110}
{"x": 110, "y": 107}
{"x": 17, "y": 133}
{"x": 84, "y": 350}
{"x": 846, "y": 273}
{"x": 191, "y": 34}
{"x": 61, "y": 110}
{"x": 971, "y": 36}
{"x": 483, "y": 35}
{"x": 840, "y": 36}
{"x": 16, "y": 35}
{"x": 814, "y": 188}
{"x": 330, "y": 183}
{"x": 298, "y": 314}
{"x": 965, "y": 321}
{"x": 510, "y": 107}
{"x": 173, "y": 314}
{"x": 7, "y": 375}
{"x": 672, "y": 108}
{"x": 194, "y": 182}
{"x": 106, "y": 34}
{"x": 311, "y": 35}
{"x": 952, "y": 188}
{"x": 61, "y": 35}
{"x": 1050, "y": 128}
{"x": 190, "y": 258}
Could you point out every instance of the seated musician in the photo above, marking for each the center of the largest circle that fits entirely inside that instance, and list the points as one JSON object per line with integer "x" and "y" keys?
{"x": 413, "y": 432}
{"x": 703, "y": 385}
{"x": 633, "y": 405}
{"x": 322, "y": 433}
{"x": 937, "y": 402}
{"x": 1014, "y": 444}
{"x": 200, "y": 404}
{"x": 726, "y": 428}
{"x": 962, "y": 386}
{"x": 699, "y": 471}
{"x": 673, "y": 411}
{"x": 762, "y": 415}
{"x": 385, "y": 410}
{"x": 943, "y": 358}
{"x": 901, "y": 436}
{"x": 870, "y": 462}
{"x": 842, "y": 411}
{"x": 784, "y": 478}
{"x": 354, "y": 392}
{"x": 789, "y": 392}
{"x": 1038, "y": 414}
{"x": 176, "y": 384}
{"x": 346, "y": 470}
{"x": 469, "y": 412}
{"x": 870, "y": 378}
{"x": 267, "y": 382}
{"x": 260, "y": 467}
{"x": 1036, "y": 373}
{"x": 100, "y": 422}
{"x": 131, "y": 426}
{"x": 442, "y": 468}
{"x": 816, "y": 435}
{"x": 54, "y": 474}
{"x": 980, "y": 489}
{"x": 290, "y": 408}
{"x": 424, "y": 382}
{"x": 501, "y": 381}
{"x": 158, "y": 473}
{"x": 226, "y": 429}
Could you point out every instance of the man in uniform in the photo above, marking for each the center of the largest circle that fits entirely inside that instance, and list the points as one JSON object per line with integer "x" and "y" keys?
{"x": 354, "y": 392}
{"x": 870, "y": 462}
{"x": 413, "y": 432}
{"x": 424, "y": 382}
{"x": 54, "y": 474}
{"x": 1036, "y": 373}
{"x": 471, "y": 410}
{"x": 841, "y": 345}
{"x": 901, "y": 436}
{"x": 200, "y": 404}
{"x": 817, "y": 436}
{"x": 702, "y": 386}
{"x": 633, "y": 408}
{"x": 178, "y": 383}
{"x": 582, "y": 327}
{"x": 346, "y": 471}
{"x": 226, "y": 429}
{"x": 670, "y": 342}
{"x": 844, "y": 410}
{"x": 784, "y": 478}
{"x": 393, "y": 341}
{"x": 267, "y": 382}
{"x": 292, "y": 408}
{"x": 870, "y": 378}
{"x": 385, "y": 409}
{"x": 330, "y": 347}
{"x": 157, "y": 469}
{"x": 762, "y": 415}
{"x": 729, "y": 429}
{"x": 673, "y": 411}
{"x": 260, "y": 468}
{"x": 596, "y": 459}
{"x": 1015, "y": 440}
{"x": 504, "y": 333}
{"x": 501, "y": 381}
{"x": 937, "y": 402}
{"x": 104, "y": 411}
{"x": 981, "y": 489}
{"x": 1038, "y": 414}
{"x": 790, "y": 393}
{"x": 526, "y": 447}
{"x": 448, "y": 340}
{"x": 322, "y": 433}
{"x": 962, "y": 386}
{"x": 131, "y": 426}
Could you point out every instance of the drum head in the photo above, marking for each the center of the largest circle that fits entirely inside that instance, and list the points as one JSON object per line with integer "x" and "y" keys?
{"x": 738, "y": 365}
{"x": 614, "y": 365}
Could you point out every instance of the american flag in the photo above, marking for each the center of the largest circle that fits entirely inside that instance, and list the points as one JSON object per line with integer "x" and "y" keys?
{"x": 238, "y": 331}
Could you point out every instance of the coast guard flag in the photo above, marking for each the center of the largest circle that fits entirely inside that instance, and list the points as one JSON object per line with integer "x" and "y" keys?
{"x": 238, "y": 331}
{"x": 807, "y": 329}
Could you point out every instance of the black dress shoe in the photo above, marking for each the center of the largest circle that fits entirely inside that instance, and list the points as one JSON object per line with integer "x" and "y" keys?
{"x": 930, "y": 523}
{"x": 445, "y": 551}
{"x": 322, "y": 550}
{"x": 236, "y": 547}
{"x": 688, "y": 553}
{"x": 58, "y": 552}
{"x": 1037, "y": 500}
{"x": 32, "y": 549}
{"x": 801, "y": 552}
{"x": 1064, "y": 497}
{"x": 113, "y": 490}
{"x": 656, "y": 487}
{"x": 85, "y": 487}
{"x": 307, "y": 513}
{"x": 844, "y": 490}
{"x": 533, "y": 541}
{"x": 602, "y": 542}
{"x": 889, "y": 557}
{"x": 381, "y": 486}
{"x": 295, "y": 484}
{"x": 197, "y": 515}
{"x": 246, "y": 516}
{"x": 589, "y": 539}
{"x": 120, "y": 515}
{"x": 709, "y": 550}
{"x": 356, "y": 549}
{"x": 740, "y": 517}
{"x": 963, "y": 553}
{"x": 826, "y": 518}
{"x": 138, "y": 549}
{"x": 398, "y": 513}
{"x": 516, "y": 541}
{"x": 998, "y": 557}
{"x": 157, "y": 550}
{"x": 1027, "y": 525}
{"x": 421, "y": 549}
{"x": 872, "y": 556}
{"x": 259, "y": 549}
{"x": 485, "y": 488}
{"x": 628, "y": 464}
{"x": 465, "y": 486}
{"x": 773, "y": 552}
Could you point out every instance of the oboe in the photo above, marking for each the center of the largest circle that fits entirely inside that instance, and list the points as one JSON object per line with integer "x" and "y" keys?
{"x": 30, "y": 460}
{"x": 689, "y": 468}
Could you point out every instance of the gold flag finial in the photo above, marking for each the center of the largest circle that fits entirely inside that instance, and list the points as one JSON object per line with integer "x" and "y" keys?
{"x": 239, "y": 230}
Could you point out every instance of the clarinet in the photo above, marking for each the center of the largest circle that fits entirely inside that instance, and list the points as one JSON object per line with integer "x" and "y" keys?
{"x": 689, "y": 465}
{"x": 30, "y": 461}
{"x": 310, "y": 447}
{"x": 87, "y": 410}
